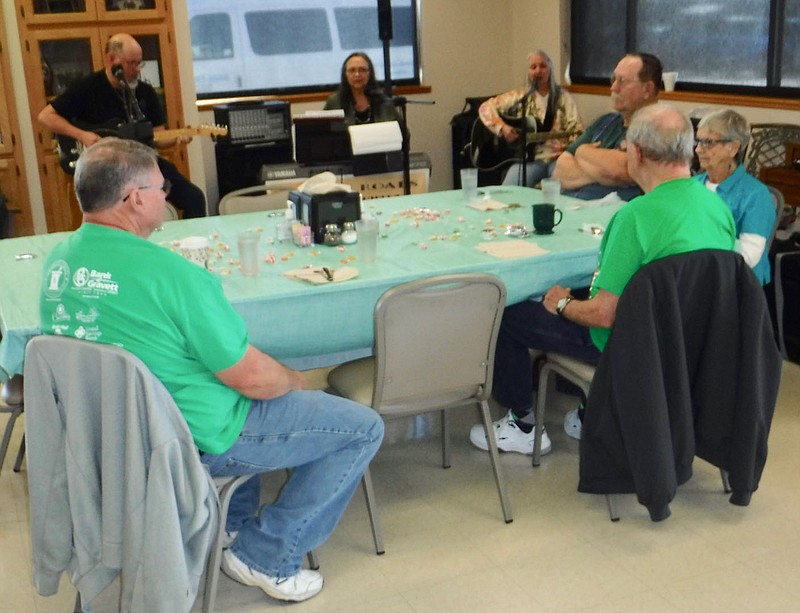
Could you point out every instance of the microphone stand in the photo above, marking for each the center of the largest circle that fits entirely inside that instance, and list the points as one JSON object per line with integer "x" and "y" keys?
{"x": 401, "y": 102}
{"x": 524, "y": 134}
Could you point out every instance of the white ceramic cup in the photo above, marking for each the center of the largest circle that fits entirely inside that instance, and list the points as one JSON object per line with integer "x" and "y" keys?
{"x": 367, "y": 233}
{"x": 551, "y": 190}
{"x": 669, "y": 80}
{"x": 248, "y": 252}
{"x": 196, "y": 249}
{"x": 469, "y": 184}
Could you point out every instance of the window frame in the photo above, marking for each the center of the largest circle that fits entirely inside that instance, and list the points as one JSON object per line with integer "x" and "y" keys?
{"x": 773, "y": 94}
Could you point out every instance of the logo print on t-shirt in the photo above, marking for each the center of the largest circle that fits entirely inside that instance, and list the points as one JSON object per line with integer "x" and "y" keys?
{"x": 57, "y": 279}
{"x": 81, "y": 276}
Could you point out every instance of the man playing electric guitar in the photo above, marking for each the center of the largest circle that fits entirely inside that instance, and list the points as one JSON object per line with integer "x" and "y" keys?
{"x": 552, "y": 108}
{"x": 116, "y": 96}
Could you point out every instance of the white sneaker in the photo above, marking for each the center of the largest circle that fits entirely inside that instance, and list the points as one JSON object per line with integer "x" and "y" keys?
{"x": 509, "y": 437}
{"x": 302, "y": 586}
{"x": 573, "y": 424}
{"x": 228, "y": 538}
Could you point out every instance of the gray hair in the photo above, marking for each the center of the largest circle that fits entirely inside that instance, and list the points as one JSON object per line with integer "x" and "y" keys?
{"x": 730, "y": 125}
{"x": 555, "y": 90}
{"x": 104, "y": 171}
{"x": 663, "y": 134}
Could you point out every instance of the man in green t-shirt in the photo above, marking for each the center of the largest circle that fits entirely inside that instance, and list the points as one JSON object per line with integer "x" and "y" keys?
{"x": 594, "y": 165}
{"x": 247, "y": 413}
{"x": 672, "y": 217}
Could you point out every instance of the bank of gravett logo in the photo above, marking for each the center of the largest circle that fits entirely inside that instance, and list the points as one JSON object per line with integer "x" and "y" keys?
{"x": 57, "y": 279}
{"x": 81, "y": 276}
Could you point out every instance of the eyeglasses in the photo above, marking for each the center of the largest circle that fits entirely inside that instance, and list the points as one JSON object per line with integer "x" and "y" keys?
{"x": 622, "y": 81}
{"x": 165, "y": 187}
{"x": 134, "y": 63}
{"x": 358, "y": 70}
{"x": 707, "y": 143}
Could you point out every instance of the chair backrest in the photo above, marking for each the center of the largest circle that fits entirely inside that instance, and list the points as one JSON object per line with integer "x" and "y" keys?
{"x": 777, "y": 198}
{"x": 435, "y": 341}
{"x": 112, "y": 466}
{"x": 251, "y": 200}
{"x": 170, "y": 213}
{"x": 767, "y": 147}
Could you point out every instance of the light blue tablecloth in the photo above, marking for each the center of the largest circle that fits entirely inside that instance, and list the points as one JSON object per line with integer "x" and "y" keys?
{"x": 306, "y": 325}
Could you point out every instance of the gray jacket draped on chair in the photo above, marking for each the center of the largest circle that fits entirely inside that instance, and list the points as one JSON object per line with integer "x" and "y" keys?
{"x": 116, "y": 484}
{"x": 691, "y": 368}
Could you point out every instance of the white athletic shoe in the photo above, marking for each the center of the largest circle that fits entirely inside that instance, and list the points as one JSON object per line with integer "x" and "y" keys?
{"x": 302, "y": 586}
{"x": 573, "y": 424}
{"x": 509, "y": 437}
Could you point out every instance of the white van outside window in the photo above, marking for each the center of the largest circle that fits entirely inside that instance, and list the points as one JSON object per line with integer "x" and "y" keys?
{"x": 260, "y": 46}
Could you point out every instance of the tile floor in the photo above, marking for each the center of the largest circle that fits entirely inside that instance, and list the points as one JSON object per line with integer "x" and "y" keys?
{"x": 447, "y": 548}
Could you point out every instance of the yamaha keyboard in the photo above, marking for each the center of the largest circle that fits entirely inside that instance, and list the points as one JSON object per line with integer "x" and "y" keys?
{"x": 293, "y": 170}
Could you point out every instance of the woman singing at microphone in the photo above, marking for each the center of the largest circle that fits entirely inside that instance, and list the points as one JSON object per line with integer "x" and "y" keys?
{"x": 547, "y": 108}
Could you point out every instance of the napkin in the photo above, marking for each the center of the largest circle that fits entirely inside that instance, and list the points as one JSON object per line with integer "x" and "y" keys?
{"x": 316, "y": 275}
{"x": 511, "y": 249}
{"x": 487, "y": 204}
{"x": 611, "y": 198}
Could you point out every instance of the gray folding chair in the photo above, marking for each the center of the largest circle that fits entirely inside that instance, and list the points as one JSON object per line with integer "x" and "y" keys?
{"x": 83, "y": 380}
{"x": 777, "y": 198}
{"x": 251, "y": 200}
{"x": 434, "y": 351}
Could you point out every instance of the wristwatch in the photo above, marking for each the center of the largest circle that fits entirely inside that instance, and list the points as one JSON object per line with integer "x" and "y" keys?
{"x": 562, "y": 304}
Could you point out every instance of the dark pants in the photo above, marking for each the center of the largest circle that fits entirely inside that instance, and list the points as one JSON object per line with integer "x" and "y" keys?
{"x": 595, "y": 191}
{"x": 528, "y": 325}
{"x": 184, "y": 194}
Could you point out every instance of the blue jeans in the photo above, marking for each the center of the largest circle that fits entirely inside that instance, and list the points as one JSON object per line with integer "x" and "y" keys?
{"x": 528, "y": 325}
{"x": 328, "y": 443}
{"x": 535, "y": 172}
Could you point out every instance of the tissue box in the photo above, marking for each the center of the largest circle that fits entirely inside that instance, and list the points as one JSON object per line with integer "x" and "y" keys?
{"x": 318, "y": 210}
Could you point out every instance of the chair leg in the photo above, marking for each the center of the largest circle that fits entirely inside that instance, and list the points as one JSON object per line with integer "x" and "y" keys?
{"x": 20, "y": 455}
{"x": 726, "y": 484}
{"x": 215, "y": 557}
{"x": 494, "y": 454}
{"x": 445, "y": 439}
{"x": 612, "y": 511}
{"x": 12, "y": 418}
{"x": 313, "y": 563}
{"x": 541, "y": 404}
{"x": 372, "y": 511}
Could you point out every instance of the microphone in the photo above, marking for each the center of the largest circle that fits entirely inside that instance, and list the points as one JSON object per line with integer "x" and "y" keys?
{"x": 515, "y": 107}
{"x": 118, "y": 72}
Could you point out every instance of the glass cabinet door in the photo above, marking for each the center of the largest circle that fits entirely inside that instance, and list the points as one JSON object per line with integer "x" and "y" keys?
{"x": 130, "y": 9}
{"x": 57, "y": 11}
{"x": 56, "y": 59}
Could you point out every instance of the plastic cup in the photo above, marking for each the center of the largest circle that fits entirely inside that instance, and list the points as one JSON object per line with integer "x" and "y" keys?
{"x": 469, "y": 184}
{"x": 551, "y": 190}
{"x": 248, "y": 252}
{"x": 669, "y": 80}
{"x": 196, "y": 249}
{"x": 367, "y": 233}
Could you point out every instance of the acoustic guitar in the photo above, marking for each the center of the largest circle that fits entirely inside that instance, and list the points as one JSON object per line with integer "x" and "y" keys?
{"x": 490, "y": 151}
{"x": 69, "y": 149}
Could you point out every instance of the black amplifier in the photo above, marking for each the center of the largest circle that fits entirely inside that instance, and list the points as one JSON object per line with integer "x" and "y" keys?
{"x": 255, "y": 123}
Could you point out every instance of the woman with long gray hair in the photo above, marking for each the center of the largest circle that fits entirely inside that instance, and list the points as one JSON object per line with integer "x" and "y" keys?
{"x": 546, "y": 107}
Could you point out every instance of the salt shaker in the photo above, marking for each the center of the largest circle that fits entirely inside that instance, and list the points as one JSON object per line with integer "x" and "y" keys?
{"x": 349, "y": 235}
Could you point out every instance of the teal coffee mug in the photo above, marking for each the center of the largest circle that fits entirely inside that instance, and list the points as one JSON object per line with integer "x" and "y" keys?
{"x": 544, "y": 218}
